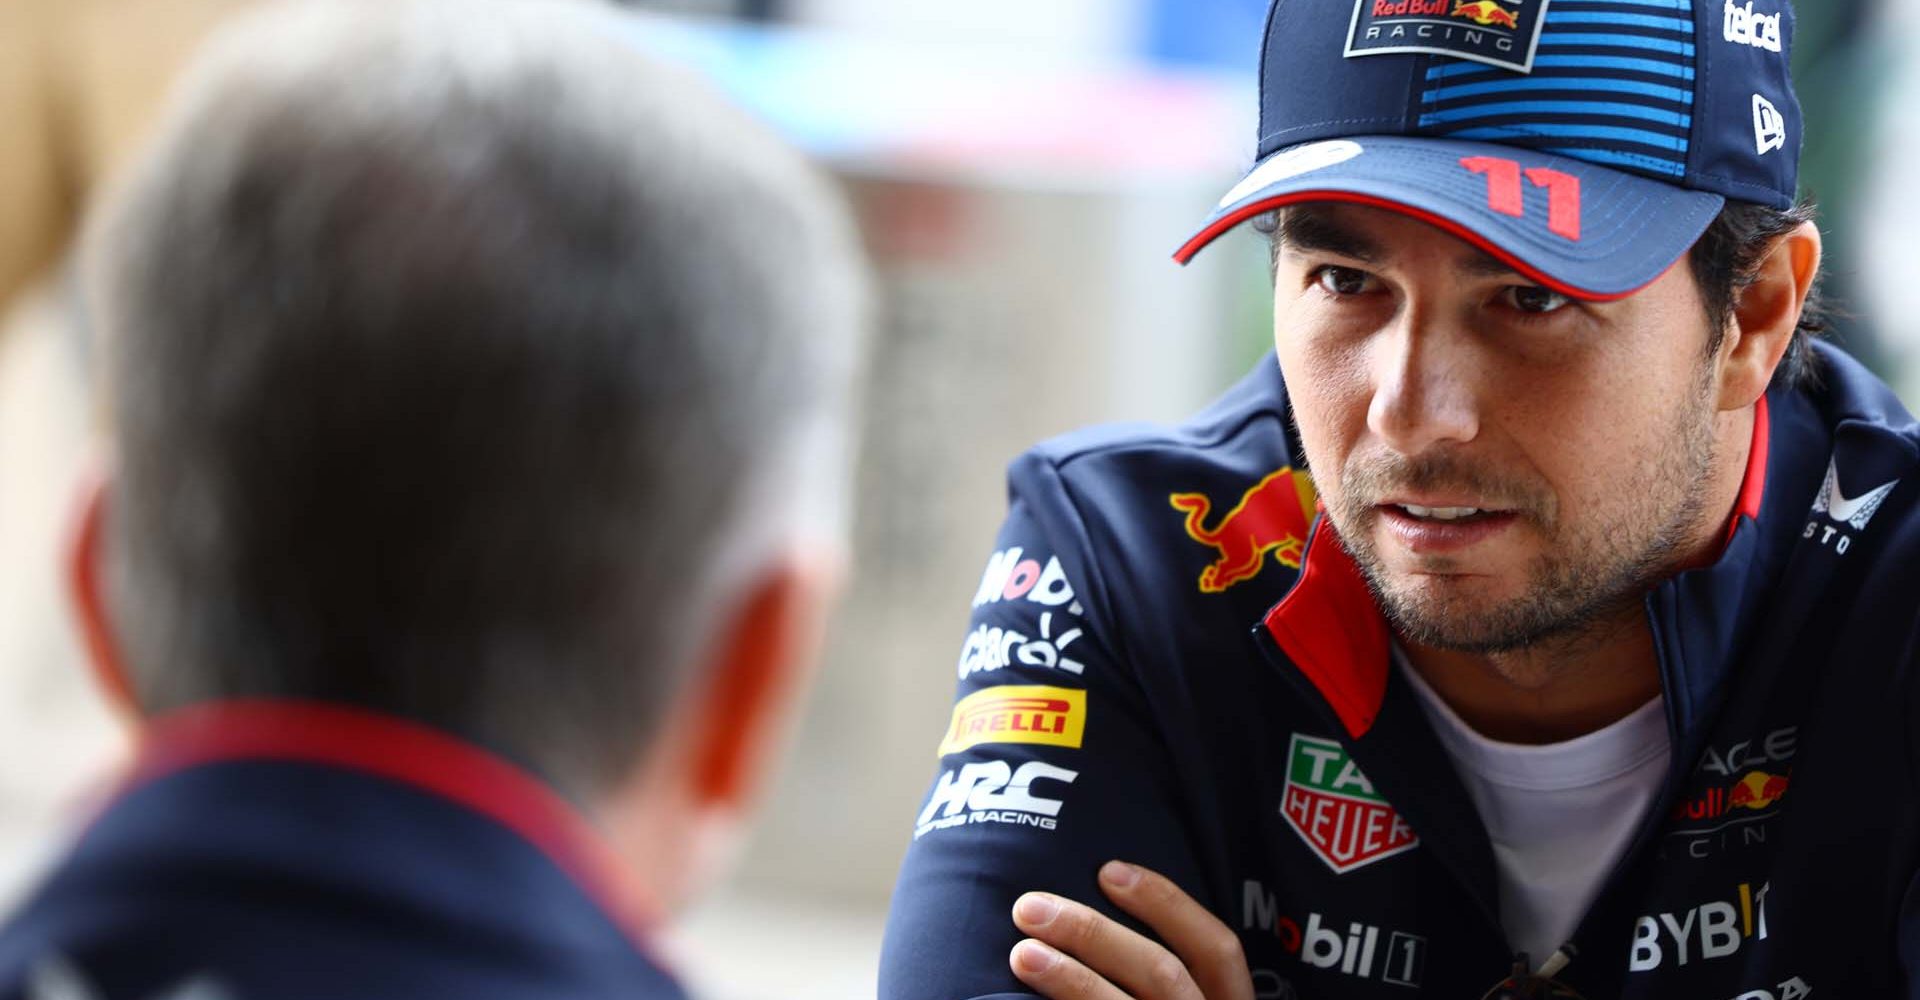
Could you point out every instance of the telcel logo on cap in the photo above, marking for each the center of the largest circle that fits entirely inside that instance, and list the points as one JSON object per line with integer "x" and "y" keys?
{"x": 1496, "y": 32}
{"x": 1746, "y": 27}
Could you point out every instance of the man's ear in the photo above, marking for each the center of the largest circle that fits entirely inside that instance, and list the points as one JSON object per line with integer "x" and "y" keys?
{"x": 86, "y": 564}
{"x": 1765, "y": 314}
{"x": 764, "y": 661}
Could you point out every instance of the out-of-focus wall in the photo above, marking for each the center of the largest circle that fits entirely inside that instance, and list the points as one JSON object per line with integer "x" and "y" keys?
{"x": 34, "y": 196}
{"x": 1888, "y": 258}
{"x": 1008, "y": 316}
{"x": 58, "y": 742}
{"x": 80, "y": 81}
{"x": 1102, "y": 27}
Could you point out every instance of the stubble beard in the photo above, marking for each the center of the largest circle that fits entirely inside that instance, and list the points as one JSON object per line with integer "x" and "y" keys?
{"x": 1587, "y": 575}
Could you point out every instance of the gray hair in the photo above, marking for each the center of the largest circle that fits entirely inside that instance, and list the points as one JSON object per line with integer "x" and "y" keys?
{"x": 463, "y": 365}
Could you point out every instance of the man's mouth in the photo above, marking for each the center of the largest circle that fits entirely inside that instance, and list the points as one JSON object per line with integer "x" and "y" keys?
{"x": 1437, "y": 528}
{"x": 1441, "y": 513}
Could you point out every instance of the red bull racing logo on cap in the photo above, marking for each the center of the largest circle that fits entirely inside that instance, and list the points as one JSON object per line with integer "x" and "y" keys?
{"x": 1272, "y": 516}
{"x": 1500, "y": 33}
{"x": 1333, "y": 807}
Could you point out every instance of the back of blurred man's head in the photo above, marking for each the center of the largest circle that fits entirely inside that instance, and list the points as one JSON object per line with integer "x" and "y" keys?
{"x": 465, "y": 366}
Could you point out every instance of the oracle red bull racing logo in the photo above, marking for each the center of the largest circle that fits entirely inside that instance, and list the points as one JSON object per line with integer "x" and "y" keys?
{"x": 1271, "y": 517}
{"x": 1501, "y": 33}
{"x": 1741, "y": 788}
{"x": 1333, "y": 807}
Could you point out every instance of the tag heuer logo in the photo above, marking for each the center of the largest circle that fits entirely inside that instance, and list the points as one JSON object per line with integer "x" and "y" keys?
{"x": 1333, "y": 807}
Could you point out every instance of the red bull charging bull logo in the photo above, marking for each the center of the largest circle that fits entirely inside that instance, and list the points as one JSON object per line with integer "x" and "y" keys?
{"x": 1755, "y": 791}
{"x": 1272, "y": 516}
{"x": 1485, "y": 12}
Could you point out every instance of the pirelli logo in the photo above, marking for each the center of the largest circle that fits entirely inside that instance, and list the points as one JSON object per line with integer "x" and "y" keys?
{"x": 1017, "y": 713}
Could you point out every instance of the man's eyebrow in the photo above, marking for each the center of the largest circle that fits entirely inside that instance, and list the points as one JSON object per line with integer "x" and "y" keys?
{"x": 1305, "y": 230}
{"x": 1485, "y": 265}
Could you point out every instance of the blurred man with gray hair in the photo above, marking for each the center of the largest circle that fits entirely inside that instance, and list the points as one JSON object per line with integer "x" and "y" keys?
{"x": 479, "y": 401}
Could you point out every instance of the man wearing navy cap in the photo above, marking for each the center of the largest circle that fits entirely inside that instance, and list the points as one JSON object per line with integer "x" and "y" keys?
{"x": 478, "y": 396}
{"x": 1540, "y": 621}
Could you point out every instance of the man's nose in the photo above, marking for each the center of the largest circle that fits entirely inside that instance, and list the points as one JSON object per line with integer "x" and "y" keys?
{"x": 1424, "y": 388}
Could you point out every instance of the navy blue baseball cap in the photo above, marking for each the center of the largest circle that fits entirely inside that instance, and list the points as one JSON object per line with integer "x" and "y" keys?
{"x": 1585, "y": 143}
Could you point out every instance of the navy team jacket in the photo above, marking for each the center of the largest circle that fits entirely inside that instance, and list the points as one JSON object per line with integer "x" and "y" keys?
{"x": 1173, "y": 662}
{"x": 288, "y": 851}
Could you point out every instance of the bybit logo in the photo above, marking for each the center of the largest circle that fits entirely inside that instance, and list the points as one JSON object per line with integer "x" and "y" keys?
{"x": 1709, "y": 931}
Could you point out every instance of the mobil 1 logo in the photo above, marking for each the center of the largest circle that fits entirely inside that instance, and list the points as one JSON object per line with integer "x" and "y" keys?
{"x": 1349, "y": 947}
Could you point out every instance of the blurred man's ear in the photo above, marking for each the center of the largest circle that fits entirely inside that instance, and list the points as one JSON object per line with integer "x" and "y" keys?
{"x": 86, "y": 569}
{"x": 675, "y": 820}
{"x": 765, "y": 660}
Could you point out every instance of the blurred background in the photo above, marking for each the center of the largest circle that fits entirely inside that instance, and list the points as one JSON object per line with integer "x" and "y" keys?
{"x": 1022, "y": 169}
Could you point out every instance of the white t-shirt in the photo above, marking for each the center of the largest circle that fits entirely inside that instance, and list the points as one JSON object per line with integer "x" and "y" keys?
{"x": 1560, "y": 815}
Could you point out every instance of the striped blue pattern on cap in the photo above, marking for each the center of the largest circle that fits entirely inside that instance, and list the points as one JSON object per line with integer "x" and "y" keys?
{"x": 1612, "y": 84}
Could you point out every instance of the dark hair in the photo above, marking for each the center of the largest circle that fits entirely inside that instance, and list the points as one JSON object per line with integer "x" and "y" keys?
{"x": 464, "y": 366}
{"x": 1724, "y": 260}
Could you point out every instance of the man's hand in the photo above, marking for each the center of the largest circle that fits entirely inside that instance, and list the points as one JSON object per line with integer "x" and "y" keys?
{"x": 1076, "y": 953}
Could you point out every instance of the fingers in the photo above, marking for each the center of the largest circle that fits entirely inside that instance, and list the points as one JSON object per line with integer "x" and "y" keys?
{"x": 1208, "y": 949}
{"x": 1057, "y": 976}
{"x": 1093, "y": 955}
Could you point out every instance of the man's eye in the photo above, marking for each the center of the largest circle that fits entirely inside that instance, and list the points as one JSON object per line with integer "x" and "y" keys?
{"x": 1345, "y": 280}
{"x": 1534, "y": 299}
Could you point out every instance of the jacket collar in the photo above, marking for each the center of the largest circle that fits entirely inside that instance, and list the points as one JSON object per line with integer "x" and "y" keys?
{"x": 408, "y": 753}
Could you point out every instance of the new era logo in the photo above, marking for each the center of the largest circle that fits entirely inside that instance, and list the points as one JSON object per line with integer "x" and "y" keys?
{"x": 1769, "y": 127}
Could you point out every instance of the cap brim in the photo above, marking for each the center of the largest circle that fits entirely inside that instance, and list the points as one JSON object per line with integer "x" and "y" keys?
{"x": 1610, "y": 234}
